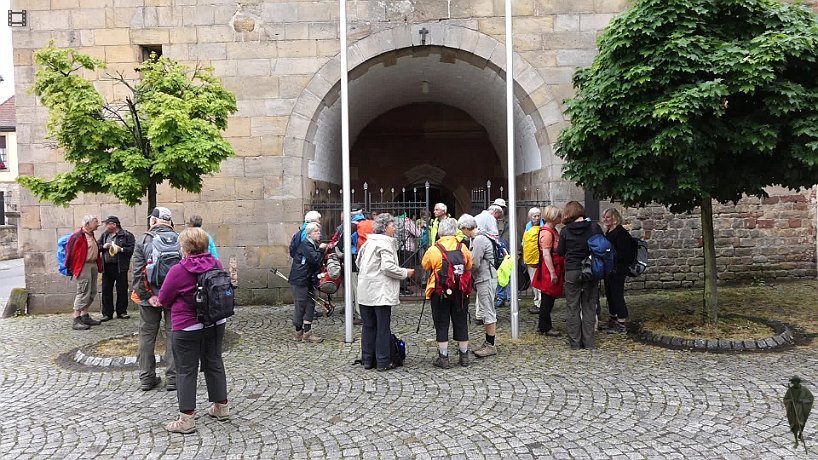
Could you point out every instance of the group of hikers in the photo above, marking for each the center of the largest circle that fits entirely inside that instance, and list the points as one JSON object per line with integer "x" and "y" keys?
{"x": 176, "y": 277}
{"x": 464, "y": 258}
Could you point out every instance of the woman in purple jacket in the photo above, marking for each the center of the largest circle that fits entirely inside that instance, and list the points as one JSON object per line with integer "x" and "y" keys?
{"x": 192, "y": 341}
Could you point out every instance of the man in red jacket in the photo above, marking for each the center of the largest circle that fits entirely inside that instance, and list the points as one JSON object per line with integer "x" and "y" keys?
{"x": 82, "y": 257}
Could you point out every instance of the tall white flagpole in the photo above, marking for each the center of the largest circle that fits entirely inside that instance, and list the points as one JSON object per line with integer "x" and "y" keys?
{"x": 348, "y": 287}
{"x": 512, "y": 173}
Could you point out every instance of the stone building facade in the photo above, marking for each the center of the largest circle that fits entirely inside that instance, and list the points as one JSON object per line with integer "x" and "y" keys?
{"x": 427, "y": 103}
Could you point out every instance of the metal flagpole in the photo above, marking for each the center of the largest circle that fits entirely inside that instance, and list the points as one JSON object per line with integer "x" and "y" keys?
{"x": 512, "y": 173}
{"x": 348, "y": 287}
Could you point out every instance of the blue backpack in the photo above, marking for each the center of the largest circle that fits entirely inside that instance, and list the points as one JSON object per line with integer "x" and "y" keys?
{"x": 600, "y": 262}
{"x": 61, "y": 253}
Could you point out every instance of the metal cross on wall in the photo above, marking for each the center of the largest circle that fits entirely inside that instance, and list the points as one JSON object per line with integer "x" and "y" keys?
{"x": 423, "y": 33}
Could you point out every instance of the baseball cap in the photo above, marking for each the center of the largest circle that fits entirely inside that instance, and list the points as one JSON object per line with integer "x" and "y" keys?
{"x": 162, "y": 213}
{"x": 500, "y": 202}
{"x": 111, "y": 220}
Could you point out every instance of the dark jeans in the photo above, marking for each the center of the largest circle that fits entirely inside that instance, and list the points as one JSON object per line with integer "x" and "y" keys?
{"x": 615, "y": 292}
{"x": 444, "y": 310}
{"x": 190, "y": 347}
{"x": 304, "y": 299}
{"x": 546, "y": 306}
{"x": 110, "y": 276}
{"x": 376, "y": 335}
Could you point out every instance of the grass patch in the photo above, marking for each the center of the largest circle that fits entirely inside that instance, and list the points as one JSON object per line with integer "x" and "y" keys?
{"x": 122, "y": 347}
{"x": 678, "y": 313}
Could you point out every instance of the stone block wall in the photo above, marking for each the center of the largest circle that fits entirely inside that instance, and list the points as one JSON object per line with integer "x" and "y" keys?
{"x": 756, "y": 239}
{"x": 8, "y": 242}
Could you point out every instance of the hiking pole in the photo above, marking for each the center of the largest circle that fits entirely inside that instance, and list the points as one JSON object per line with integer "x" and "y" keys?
{"x": 328, "y": 307}
{"x": 421, "y": 314}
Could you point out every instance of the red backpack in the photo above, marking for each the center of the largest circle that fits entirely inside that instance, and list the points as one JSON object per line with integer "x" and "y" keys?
{"x": 452, "y": 279}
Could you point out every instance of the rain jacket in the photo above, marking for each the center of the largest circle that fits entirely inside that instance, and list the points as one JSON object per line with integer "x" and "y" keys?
{"x": 433, "y": 260}
{"x": 573, "y": 243}
{"x": 178, "y": 292}
{"x": 379, "y": 274}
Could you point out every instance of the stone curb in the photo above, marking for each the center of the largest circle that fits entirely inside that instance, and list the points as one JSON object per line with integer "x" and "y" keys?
{"x": 783, "y": 338}
{"x": 81, "y": 357}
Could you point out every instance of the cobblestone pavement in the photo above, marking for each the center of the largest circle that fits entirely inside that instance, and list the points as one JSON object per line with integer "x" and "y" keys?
{"x": 536, "y": 399}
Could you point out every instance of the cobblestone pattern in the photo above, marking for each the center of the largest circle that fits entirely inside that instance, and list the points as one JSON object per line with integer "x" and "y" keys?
{"x": 536, "y": 399}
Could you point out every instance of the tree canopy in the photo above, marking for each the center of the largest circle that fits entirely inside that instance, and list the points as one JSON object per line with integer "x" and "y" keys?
{"x": 690, "y": 99}
{"x": 168, "y": 128}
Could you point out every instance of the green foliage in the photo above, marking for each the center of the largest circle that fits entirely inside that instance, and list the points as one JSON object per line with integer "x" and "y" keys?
{"x": 168, "y": 128}
{"x": 696, "y": 98}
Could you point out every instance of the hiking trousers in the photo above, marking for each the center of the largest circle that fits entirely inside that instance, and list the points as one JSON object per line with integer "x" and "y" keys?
{"x": 191, "y": 347}
{"x": 580, "y": 299}
{"x": 150, "y": 318}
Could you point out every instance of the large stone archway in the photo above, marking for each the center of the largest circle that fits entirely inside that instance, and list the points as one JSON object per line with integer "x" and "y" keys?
{"x": 458, "y": 67}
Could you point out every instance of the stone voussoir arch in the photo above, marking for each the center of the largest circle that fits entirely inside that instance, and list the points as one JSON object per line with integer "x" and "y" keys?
{"x": 531, "y": 91}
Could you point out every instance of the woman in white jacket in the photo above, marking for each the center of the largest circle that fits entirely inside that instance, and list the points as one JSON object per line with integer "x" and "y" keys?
{"x": 379, "y": 277}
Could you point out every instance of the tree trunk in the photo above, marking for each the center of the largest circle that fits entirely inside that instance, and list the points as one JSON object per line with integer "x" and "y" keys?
{"x": 151, "y": 196}
{"x": 711, "y": 303}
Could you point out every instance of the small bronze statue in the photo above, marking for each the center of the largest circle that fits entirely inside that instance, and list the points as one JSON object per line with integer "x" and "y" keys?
{"x": 798, "y": 402}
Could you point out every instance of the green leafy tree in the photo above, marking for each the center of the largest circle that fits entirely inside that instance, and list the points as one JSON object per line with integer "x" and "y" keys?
{"x": 168, "y": 128}
{"x": 691, "y": 101}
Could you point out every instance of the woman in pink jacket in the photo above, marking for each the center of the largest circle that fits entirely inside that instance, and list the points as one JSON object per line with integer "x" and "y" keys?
{"x": 192, "y": 341}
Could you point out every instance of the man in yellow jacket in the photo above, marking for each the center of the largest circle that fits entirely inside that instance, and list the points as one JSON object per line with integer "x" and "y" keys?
{"x": 452, "y": 307}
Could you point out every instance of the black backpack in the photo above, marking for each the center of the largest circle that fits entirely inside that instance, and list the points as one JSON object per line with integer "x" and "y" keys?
{"x": 214, "y": 297}
{"x": 397, "y": 351}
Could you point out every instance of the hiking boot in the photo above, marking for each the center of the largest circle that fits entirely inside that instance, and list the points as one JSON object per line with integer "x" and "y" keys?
{"x": 78, "y": 325}
{"x": 171, "y": 386}
{"x": 482, "y": 345}
{"x": 219, "y": 411}
{"x": 312, "y": 337}
{"x": 441, "y": 361}
{"x": 618, "y": 328}
{"x": 486, "y": 350}
{"x": 463, "y": 358}
{"x": 611, "y": 322}
{"x": 185, "y": 424}
{"x": 299, "y": 335}
{"x": 151, "y": 384}
{"x": 86, "y": 319}
{"x": 105, "y": 318}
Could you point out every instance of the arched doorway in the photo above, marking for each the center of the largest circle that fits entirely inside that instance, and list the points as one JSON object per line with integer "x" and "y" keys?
{"x": 426, "y": 142}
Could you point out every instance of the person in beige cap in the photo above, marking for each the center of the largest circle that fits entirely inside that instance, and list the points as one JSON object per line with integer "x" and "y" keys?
{"x": 116, "y": 246}
{"x": 150, "y": 310}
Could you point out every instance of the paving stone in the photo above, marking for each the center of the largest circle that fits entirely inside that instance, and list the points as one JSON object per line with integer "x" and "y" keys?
{"x": 535, "y": 399}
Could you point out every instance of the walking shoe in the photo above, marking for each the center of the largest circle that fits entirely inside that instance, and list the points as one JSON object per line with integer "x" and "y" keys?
{"x": 611, "y": 322}
{"x": 299, "y": 335}
{"x": 219, "y": 411}
{"x": 151, "y": 384}
{"x": 618, "y": 328}
{"x": 387, "y": 368}
{"x": 123, "y": 316}
{"x": 463, "y": 358}
{"x": 357, "y": 321}
{"x": 105, "y": 318}
{"x": 482, "y": 345}
{"x": 171, "y": 386}
{"x": 312, "y": 337}
{"x": 441, "y": 361}
{"x": 534, "y": 310}
{"x": 86, "y": 319}
{"x": 486, "y": 350}
{"x": 552, "y": 333}
{"x": 185, "y": 424}
{"x": 479, "y": 321}
{"x": 79, "y": 325}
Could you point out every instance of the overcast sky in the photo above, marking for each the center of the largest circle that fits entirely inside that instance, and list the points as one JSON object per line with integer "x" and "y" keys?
{"x": 6, "y": 63}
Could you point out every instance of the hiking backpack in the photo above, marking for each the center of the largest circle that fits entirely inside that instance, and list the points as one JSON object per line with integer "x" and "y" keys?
{"x": 397, "y": 351}
{"x": 214, "y": 296}
{"x": 640, "y": 262}
{"x": 363, "y": 229}
{"x": 531, "y": 245}
{"x": 500, "y": 252}
{"x": 600, "y": 261}
{"x": 452, "y": 278}
{"x": 295, "y": 241}
{"x": 163, "y": 252}
{"x": 61, "y": 255}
